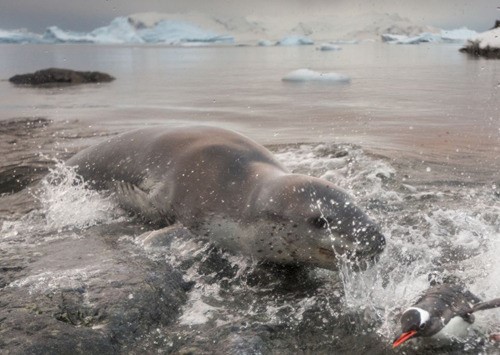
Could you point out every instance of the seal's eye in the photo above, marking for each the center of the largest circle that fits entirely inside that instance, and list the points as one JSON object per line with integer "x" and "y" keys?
{"x": 422, "y": 326}
{"x": 319, "y": 222}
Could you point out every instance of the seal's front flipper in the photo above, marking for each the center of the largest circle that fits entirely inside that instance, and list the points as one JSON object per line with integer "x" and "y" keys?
{"x": 136, "y": 200}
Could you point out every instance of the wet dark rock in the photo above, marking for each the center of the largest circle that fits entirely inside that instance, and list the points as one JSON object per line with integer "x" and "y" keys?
{"x": 111, "y": 302}
{"x": 19, "y": 170}
{"x": 475, "y": 50}
{"x": 57, "y": 76}
{"x": 28, "y": 149}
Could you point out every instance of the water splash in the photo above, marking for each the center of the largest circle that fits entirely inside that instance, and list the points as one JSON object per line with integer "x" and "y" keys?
{"x": 69, "y": 203}
{"x": 452, "y": 231}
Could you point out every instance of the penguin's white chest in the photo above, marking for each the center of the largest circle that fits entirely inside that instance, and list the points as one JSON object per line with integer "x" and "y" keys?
{"x": 455, "y": 329}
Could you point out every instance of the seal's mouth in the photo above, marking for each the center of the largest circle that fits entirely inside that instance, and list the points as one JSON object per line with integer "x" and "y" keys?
{"x": 357, "y": 260}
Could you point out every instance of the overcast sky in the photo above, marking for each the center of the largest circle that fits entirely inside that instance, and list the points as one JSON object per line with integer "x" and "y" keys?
{"x": 85, "y": 15}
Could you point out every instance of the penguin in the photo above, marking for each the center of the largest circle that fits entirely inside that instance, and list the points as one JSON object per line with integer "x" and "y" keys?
{"x": 442, "y": 311}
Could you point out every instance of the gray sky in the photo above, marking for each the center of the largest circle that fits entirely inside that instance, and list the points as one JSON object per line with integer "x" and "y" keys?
{"x": 85, "y": 15}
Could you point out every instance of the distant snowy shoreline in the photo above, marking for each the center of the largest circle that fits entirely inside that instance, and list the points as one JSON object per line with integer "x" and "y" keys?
{"x": 486, "y": 44}
{"x": 199, "y": 29}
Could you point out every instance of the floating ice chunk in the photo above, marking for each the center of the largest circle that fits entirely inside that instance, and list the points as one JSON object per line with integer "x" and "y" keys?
{"x": 303, "y": 75}
{"x": 265, "y": 43}
{"x": 329, "y": 47}
{"x": 345, "y": 41}
{"x": 391, "y": 38}
{"x": 295, "y": 41}
{"x": 194, "y": 44}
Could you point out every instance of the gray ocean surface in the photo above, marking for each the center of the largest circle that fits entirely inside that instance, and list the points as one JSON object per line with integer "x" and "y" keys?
{"x": 414, "y": 138}
{"x": 427, "y": 96}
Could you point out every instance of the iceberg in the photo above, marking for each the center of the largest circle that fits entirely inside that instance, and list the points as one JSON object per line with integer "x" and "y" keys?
{"x": 182, "y": 28}
{"x": 305, "y": 75}
{"x": 19, "y": 36}
{"x": 448, "y": 36}
{"x": 265, "y": 43}
{"x": 175, "y": 32}
{"x": 457, "y": 35}
{"x": 54, "y": 34}
{"x": 425, "y": 37}
{"x": 122, "y": 30}
{"x": 295, "y": 41}
{"x": 329, "y": 47}
{"x": 345, "y": 41}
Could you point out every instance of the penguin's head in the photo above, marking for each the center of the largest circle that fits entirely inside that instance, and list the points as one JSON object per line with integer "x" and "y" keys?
{"x": 416, "y": 322}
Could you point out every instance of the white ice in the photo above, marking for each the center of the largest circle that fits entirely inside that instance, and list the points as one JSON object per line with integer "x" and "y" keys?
{"x": 444, "y": 36}
{"x": 174, "y": 32}
{"x": 402, "y": 39}
{"x": 295, "y": 41}
{"x": 458, "y": 35}
{"x": 486, "y": 39}
{"x": 304, "y": 75}
{"x": 19, "y": 36}
{"x": 329, "y": 47}
{"x": 175, "y": 28}
{"x": 124, "y": 30}
{"x": 265, "y": 43}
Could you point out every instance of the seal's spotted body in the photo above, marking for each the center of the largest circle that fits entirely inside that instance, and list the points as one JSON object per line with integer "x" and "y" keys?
{"x": 222, "y": 185}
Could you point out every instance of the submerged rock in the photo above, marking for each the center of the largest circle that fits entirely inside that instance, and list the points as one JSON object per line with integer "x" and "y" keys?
{"x": 57, "y": 76}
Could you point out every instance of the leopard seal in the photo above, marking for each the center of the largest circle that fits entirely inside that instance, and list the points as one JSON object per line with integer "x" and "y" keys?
{"x": 225, "y": 187}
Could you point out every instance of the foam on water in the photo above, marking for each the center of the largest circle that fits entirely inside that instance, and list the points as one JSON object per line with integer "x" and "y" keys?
{"x": 429, "y": 229}
{"x": 451, "y": 232}
{"x": 71, "y": 279}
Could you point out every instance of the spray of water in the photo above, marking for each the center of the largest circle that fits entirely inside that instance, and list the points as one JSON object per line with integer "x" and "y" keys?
{"x": 452, "y": 232}
{"x": 69, "y": 203}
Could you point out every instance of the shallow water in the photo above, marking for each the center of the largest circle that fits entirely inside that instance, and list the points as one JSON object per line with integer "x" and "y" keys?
{"x": 414, "y": 138}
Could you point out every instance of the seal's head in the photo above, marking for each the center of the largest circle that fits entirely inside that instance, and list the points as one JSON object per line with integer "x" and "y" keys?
{"x": 310, "y": 220}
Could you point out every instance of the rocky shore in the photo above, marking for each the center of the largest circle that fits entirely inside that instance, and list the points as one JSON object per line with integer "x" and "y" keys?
{"x": 486, "y": 44}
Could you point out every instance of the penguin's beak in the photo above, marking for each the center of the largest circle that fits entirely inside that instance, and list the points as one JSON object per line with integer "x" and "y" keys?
{"x": 404, "y": 337}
